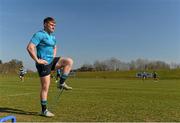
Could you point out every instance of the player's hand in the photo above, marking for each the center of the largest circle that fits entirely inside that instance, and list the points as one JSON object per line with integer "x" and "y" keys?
{"x": 42, "y": 61}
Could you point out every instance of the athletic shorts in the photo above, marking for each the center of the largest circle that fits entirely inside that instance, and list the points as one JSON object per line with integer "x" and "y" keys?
{"x": 154, "y": 76}
{"x": 21, "y": 74}
{"x": 45, "y": 70}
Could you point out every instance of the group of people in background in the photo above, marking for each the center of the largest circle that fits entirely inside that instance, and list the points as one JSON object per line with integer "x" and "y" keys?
{"x": 154, "y": 75}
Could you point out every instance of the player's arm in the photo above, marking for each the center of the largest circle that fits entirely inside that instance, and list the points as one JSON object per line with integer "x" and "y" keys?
{"x": 31, "y": 48}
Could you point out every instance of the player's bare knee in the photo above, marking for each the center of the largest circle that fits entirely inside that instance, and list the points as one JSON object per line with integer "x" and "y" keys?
{"x": 45, "y": 89}
{"x": 70, "y": 61}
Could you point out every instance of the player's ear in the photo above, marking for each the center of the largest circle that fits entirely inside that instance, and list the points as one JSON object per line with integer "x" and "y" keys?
{"x": 45, "y": 24}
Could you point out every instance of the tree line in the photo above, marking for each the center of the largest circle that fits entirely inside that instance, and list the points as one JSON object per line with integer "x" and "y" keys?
{"x": 10, "y": 67}
{"x": 114, "y": 64}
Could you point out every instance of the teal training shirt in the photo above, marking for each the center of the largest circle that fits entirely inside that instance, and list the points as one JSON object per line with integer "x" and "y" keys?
{"x": 45, "y": 44}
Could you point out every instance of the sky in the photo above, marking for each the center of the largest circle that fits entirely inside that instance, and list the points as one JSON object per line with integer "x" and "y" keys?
{"x": 90, "y": 30}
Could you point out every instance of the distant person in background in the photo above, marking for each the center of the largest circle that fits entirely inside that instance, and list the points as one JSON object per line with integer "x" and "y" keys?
{"x": 22, "y": 72}
{"x": 144, "y": 76}
{"x": 58, "y": 74}
{"x": 155, "y": 76}
{"x": 42, "y": 49}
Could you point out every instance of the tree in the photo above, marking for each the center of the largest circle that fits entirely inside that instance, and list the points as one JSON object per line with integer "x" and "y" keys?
{"x": 100, "y": 66}
{"x": 11, "y": 66}
{"x": 114, "y": 64}
{"x": 86, "y": 67}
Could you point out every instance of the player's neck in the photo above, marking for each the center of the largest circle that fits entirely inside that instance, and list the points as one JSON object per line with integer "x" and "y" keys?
{"x": 47, "y": 31}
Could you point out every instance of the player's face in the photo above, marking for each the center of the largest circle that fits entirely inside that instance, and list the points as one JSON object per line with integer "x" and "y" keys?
{"x": 50, "y": 26}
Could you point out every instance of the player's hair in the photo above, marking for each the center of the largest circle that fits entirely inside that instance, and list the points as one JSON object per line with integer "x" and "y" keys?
{"x": 49, "y": 19}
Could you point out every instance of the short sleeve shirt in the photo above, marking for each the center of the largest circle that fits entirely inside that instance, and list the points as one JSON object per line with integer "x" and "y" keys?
{"x": 45, "y": 44}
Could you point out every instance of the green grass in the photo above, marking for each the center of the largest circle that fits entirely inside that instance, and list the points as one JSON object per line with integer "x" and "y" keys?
{"x": 95, "y": 99}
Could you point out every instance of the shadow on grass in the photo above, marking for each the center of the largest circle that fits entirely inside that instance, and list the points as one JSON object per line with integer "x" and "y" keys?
{"x": 18, "y": 111}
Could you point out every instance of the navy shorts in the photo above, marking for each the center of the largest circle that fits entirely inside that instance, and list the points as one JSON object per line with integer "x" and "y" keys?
{"x": 21, "y": 74}
{"x": 45, "y": 70}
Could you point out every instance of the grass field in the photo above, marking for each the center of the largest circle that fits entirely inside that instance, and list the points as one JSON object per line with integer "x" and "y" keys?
{"x": 91, "y": 99}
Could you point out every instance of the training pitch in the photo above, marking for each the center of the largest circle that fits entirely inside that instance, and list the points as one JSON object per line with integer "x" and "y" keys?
{"x": 92, "y": 100}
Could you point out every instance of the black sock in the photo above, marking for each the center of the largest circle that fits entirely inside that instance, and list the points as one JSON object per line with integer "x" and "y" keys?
{"x": 44, "y": 105}
{"x": 63, "y": 78}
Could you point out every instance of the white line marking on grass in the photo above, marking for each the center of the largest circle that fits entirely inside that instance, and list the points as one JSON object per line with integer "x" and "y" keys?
{"x": 14, "y": 95}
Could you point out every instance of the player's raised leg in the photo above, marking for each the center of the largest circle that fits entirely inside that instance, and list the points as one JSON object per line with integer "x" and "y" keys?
{"x": 66, "y": 65}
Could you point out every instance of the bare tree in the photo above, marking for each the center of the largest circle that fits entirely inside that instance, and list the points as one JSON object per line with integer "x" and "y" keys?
{"x": 100, "y": 66}
{"x": 114, "y": 64}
